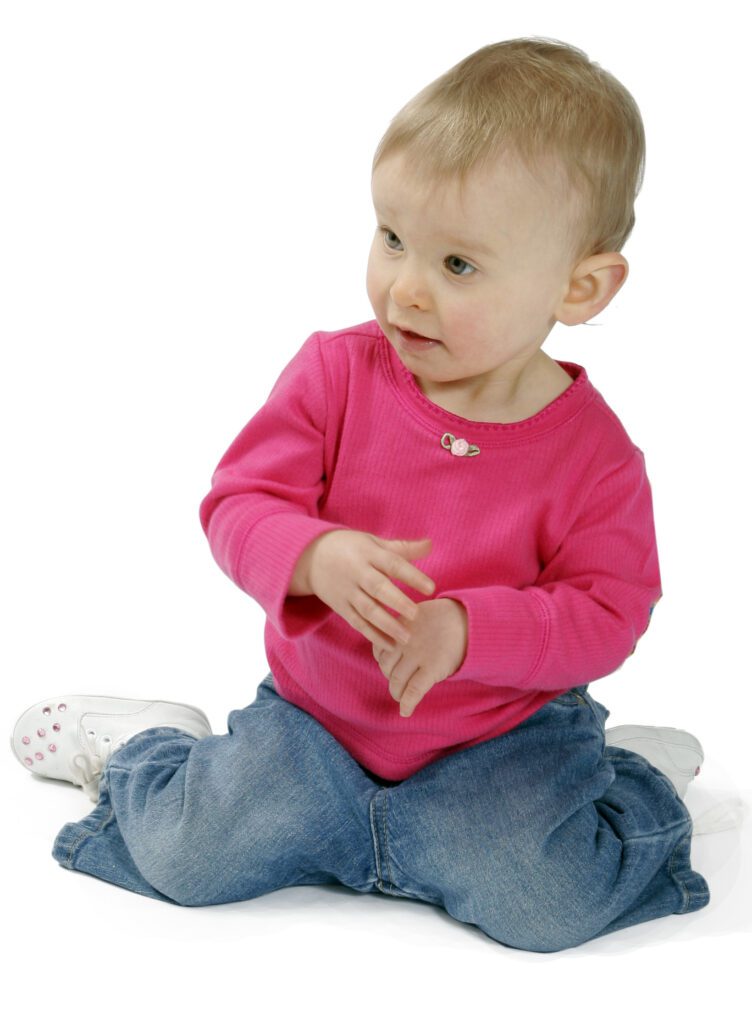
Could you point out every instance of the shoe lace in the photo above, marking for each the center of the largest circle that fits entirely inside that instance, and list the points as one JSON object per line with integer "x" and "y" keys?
{"x": 88, "y": 766}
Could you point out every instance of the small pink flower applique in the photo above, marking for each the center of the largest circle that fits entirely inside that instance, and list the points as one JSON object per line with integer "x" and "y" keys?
{"x": 459, "y": 446}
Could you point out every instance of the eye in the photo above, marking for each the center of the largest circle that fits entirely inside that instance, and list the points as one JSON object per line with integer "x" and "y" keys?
{"x": 453, "y": 261}
{"x": 390, "y": 235}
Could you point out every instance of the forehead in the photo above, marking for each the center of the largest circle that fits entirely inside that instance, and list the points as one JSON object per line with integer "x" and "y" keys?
{"x": 500, "y": 199}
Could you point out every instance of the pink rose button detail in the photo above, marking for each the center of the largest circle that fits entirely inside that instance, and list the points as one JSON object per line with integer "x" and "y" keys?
{"x": 459, "y": 446}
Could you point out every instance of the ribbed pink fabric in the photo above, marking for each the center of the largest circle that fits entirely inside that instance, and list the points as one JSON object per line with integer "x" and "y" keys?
{"x": 546, "y": 537}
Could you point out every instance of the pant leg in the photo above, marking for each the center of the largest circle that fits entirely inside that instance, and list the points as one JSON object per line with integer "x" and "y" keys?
{"x": 275, "y": 802}
{"x": 543, "y": 837}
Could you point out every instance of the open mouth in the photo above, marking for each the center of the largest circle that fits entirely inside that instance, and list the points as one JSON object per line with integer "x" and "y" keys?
{"x": 414, "y": 341}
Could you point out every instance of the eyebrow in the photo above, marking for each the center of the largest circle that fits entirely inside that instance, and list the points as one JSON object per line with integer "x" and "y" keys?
{"x": 467, "y": 246}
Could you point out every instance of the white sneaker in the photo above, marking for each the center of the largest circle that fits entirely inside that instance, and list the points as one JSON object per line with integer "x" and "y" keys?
{"x": 675, "y": 753}
{"x": 72, "y": 738}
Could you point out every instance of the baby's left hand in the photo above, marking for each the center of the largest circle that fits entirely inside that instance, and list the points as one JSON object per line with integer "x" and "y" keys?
{"x": 435, "y": 650}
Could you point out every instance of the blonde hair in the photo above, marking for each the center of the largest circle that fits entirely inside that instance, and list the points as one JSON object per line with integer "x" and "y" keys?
{"x": 541, "y": 99}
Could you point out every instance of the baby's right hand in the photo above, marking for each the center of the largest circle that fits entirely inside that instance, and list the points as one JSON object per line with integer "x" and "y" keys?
{"x": 351, "y": 571}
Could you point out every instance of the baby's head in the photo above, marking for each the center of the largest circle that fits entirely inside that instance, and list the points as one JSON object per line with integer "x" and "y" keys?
{"x": 504, "y": 192}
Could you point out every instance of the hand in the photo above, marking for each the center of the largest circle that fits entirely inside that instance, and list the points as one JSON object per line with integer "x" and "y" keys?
{"x": 351, "y": 571}
{"x": 435, "y": 650}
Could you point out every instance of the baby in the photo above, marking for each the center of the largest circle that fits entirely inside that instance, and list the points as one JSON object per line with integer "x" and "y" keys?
{"x": 451, "y": 534}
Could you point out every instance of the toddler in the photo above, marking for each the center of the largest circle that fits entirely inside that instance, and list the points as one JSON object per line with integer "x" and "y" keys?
{"x": 451, "y": 534}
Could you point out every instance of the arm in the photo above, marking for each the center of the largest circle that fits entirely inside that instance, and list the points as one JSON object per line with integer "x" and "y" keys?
{"x": 587, "y": 609}
{"x": 262, "y": 510}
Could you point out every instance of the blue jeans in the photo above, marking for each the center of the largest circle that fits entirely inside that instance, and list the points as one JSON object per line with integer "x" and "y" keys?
{"x": 542, "y": 837}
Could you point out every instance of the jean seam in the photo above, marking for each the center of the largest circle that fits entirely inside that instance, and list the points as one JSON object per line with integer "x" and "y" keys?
{"x": 87, "y": 833}
{"x": 380, "y": 836}
{"x": 375, "y": 835}
{"x": 590, "y": 701}
{"x": 688, "y": 897}
{"x": 386, "y": 837}
{"x": 652, "y": 835}
{"x": 664, "y": 779}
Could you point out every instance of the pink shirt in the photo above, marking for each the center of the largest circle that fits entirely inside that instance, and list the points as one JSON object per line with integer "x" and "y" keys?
{"x": 546, "y": 537}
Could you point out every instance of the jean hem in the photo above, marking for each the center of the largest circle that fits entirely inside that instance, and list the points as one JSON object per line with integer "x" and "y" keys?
{"x": 74, "y": 834}
{"x": 693, "y": 887}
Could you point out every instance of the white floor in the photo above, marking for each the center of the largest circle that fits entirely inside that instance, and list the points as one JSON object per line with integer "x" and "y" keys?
{"x": 79, "y": 946}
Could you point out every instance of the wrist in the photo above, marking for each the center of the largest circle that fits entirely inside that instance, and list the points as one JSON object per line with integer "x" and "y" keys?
{"x": 300, "y": 583}
{"x": 458, "y": 607}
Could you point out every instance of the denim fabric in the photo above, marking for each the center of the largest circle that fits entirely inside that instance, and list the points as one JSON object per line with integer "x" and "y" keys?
{"x": 543, "y": 837}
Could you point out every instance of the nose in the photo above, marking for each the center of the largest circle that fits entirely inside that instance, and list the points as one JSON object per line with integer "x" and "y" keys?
{"x": 409, "y": 288}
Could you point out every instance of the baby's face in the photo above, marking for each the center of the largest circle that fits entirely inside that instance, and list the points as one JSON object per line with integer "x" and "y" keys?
{"x": 480, "y": 272}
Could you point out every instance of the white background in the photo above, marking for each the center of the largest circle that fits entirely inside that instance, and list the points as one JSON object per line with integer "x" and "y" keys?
{"x": 185, "y": 197}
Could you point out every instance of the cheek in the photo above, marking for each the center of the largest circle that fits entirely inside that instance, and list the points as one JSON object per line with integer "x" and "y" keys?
{"x": 371, "y": 291}
{"x": 470, "y": 318}
{"x": 375, "y": 283}
{"x": 470, "y": 331}
{"x": 523, "y": 301}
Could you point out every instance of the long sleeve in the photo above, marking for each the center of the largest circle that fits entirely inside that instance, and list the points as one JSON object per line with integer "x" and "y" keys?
{"x": 546, "y": 538}
{"x": 262, "y": 509}
{"x": 589, "y": 606}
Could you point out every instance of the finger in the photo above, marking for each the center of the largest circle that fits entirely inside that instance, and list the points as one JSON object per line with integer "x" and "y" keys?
{"x": 372, "y": 612}
{"x": 416, "y": 689}
{"x": 401, "y": 671}
{"x": 381, "y": 588}
{"x": 396, "y": 567}
{"x": 379, "y": 653}
{"x": 415, "y": 578}
{"x": 387, "y": 659}
{"x": 388, "y": 663}
{"x": 356, "y": 620}
{"x": 385, "y": 663}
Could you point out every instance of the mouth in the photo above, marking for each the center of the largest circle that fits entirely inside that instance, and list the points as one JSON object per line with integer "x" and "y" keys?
{"x": 415, "y": 342}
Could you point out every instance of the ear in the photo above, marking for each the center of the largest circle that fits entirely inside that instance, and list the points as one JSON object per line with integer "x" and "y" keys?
{"x": 593, "y": 284}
